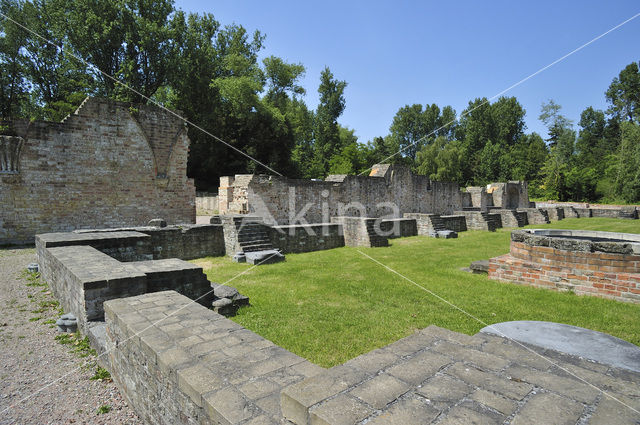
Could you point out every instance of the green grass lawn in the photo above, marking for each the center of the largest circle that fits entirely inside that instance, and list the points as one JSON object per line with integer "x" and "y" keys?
{"x": 330, "y": 306}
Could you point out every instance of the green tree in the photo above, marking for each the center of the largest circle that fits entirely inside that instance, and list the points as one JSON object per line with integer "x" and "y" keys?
{"x": 627, "y": 183}
{"x": 489, "y": 131}
{"x": 14, "y": 97}
{"x": 282, "y": 81}
{"x": 414, "y": 127}
{"x": 556, "y": 123}
{"x": 442, "y": 160}
{"x": 57, "y": 81}
{"x": 528, "y": 157}
{"x": 327, "y": 140}
{"x": 624, "y": 94}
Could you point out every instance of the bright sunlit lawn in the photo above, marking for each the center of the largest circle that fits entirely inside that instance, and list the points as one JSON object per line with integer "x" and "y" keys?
{"x": 330, "y": 306}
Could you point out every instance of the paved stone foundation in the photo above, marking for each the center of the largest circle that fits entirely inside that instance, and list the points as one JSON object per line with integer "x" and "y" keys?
{"x": 608, "y": 270}
{"x": 180, "y": 363}
{"x": 439, "y": 376}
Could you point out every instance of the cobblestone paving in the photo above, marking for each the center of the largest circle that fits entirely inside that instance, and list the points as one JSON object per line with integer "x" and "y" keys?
{"x": 440, "y": 376}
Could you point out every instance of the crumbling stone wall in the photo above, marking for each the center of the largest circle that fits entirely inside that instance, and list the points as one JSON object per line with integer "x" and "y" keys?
{"x": 283, "y": 201}
{"x": 106, "y": 165}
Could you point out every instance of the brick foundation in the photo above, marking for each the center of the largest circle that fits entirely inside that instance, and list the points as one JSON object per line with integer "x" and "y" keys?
{"x": 603, "y": 274}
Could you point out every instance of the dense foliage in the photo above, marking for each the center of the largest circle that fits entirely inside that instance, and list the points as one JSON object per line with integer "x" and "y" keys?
{"x": 136, "y": 50}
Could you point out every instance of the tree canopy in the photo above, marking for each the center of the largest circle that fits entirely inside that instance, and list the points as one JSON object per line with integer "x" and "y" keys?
{"x": 149, "y": 51}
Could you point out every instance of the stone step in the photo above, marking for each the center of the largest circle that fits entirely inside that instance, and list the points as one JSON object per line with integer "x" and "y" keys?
{"x": 252, "y": 236}
{"x": 256, "y": 241}
{"x": 256, "y": 247}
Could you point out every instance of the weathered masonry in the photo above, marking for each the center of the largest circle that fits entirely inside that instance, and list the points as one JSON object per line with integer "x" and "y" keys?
{"x": 106, "y": 165}
{"x": 179, "y": 363}
{"x": 280, "y": 200}
{"x": 603, "y": 264}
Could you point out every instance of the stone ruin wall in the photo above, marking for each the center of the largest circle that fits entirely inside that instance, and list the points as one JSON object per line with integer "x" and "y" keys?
{"x": 106, "y": 165}
{"x": 510, "y": 195}
{"x": 268, "y": 196}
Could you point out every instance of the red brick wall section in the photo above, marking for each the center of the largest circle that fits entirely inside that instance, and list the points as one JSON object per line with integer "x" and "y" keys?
{"x": 97, "y": 169}
{"x": 585, "y": 273}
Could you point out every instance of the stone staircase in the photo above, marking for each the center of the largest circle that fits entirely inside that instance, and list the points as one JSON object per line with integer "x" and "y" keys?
{"x": 247, "y": 239}
{"x": 374, "y": 238}
{"x": 439, "y": 376}
{"x": 521, "y": 217}
{"x": 536, "y": 216}
{"x": 253, "y": 236}
{"x": 437, "y": 223}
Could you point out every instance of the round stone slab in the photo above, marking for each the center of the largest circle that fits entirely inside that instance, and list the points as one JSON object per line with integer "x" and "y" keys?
{"x": 592, "y": 345}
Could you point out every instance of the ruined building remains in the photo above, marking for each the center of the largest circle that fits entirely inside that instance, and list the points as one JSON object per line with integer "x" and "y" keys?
{"x": 280, "y": 200}
{"x": 107, "y": 165}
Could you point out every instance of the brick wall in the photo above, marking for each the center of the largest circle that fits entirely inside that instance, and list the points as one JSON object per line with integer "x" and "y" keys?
{"x": 603, "y": 274}
{"x": 107, "y": 165}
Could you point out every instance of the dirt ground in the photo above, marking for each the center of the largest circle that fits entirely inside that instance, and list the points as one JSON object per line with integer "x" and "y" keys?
{"x": 43, "y": 381}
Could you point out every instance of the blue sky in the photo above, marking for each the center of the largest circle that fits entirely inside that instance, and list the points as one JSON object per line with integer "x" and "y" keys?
{"x": 404, "y": 52}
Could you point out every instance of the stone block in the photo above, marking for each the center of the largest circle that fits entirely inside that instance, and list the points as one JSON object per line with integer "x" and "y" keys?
{"x": 380, "y": 390}
{"x": 339, "y": 410}
{"x": 406, "y": 411}
{"x": 548, "y": 408}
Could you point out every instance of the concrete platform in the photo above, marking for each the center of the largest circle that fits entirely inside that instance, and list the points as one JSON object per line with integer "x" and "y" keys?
{"x": 586, "y": 343}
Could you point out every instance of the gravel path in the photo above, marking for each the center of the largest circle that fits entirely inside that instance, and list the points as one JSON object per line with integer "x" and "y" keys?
{"x": 41, "y": 380}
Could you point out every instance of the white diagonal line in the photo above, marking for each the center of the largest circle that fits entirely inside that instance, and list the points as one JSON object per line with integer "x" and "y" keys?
{"x": 494, "y": 329}
{"x": 44, "y": 387}
{"x": 544, "y": 68}
{"x": 147, "y": 98}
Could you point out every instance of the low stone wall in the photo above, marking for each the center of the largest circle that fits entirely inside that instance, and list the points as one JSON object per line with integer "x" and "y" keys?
{"x": 186, "y": 242}
{"x": 582, "y": 212}
{"x": 554, "y": 213}
{"x": 399, "y": 227}
{"x": 569, "y": 212}
{"x": 508, "y": 218}
{"x": 206, "y": 202}
{"x": 83, "y": 277}
{"x": 424, "y": 222}
{"x": 306, "y": 237}
{"x": 457, "y": 223}
{"x": 477, "y": 220}
{"x": 121, "y": 245}
{"x": 360, "y": 231}
{"x": 614, "y": 213}
{"x": 179, "y": 363}
{"x": 536, "y": 216}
